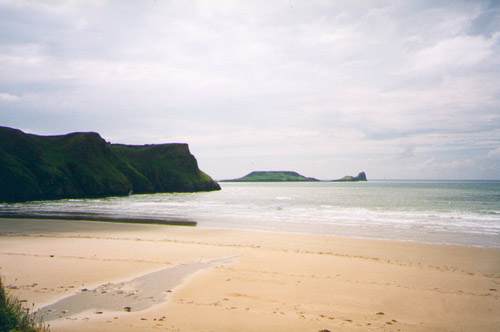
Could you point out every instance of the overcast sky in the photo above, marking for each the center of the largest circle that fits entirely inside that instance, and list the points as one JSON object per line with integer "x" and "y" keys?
{"x": 399, "y": 89}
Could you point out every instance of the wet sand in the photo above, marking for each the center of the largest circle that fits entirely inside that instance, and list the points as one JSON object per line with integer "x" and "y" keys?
{"x": 167, "y": 278}
{"x": 137, "y": 294}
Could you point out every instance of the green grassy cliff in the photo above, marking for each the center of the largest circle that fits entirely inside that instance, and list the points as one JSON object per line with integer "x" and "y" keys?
{"x": 81, "y": 165}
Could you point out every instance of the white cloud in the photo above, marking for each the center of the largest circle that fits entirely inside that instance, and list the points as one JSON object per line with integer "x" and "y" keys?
{"x": 321, "y": 80}
{"x": 494, "y": 154}
{"x": 433, "y": 165}
{"x": 8, "y": 97}
{"x": 455, "y": 53}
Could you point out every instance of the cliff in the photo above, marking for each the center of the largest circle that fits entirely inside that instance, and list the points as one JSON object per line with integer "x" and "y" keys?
{"x": 79, "y": 165}
{"x": 360, "y": 177}
{"x": 273, "y": 176}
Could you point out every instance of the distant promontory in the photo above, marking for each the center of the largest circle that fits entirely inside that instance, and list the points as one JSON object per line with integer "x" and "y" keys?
{"x": 360, "y": 177}
{"x": 84, "y": 165}
{"x": 289, "y": 176}
{"x": 272, "y": 176}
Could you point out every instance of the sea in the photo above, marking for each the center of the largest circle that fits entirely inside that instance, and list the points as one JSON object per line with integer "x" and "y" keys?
{"x": 448, "y": 212}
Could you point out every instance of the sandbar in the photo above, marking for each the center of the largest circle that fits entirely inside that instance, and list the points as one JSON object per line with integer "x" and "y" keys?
{"x": 195, "y": 279}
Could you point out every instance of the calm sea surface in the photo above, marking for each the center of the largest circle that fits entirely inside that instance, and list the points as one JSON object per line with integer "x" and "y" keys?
{"x": 456, "y": 212}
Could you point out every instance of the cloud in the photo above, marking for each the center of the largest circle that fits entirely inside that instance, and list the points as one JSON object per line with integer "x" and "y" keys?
{"x": 453, "y": 55}
{"x": 454, "y": 165}
{"x": 494, "y": 154}
{"x": 318, "y": 80}
{"x": 8, "y": 97}
{"x": 409, "y": 151}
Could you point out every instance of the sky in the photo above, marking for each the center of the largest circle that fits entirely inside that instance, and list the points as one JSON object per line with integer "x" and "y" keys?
{"x": 398, "y": 89}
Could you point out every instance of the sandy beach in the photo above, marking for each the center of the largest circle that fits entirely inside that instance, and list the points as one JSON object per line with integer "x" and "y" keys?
{"x": 91, "y": 276}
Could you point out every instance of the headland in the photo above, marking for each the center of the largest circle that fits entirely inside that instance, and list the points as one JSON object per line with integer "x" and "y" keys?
{"x": 84, "y": 165}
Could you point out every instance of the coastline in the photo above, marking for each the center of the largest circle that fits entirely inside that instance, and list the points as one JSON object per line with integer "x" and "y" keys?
{"x": 392, "y": 210}
{"x": 265, "y": 281}
{"x": 72, "y": 216}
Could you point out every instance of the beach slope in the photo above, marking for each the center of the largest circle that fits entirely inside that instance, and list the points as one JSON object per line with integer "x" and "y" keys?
{"x": 191, "y": 279}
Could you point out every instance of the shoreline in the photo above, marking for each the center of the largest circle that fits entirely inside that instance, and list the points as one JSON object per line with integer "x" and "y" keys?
{"x": 95, "y": 217}
{"x": 99, "y": 218}
{"x": 275, "y": 281}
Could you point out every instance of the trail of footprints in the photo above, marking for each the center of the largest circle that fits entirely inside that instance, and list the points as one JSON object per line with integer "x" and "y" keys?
{"x": 375, "y": 321}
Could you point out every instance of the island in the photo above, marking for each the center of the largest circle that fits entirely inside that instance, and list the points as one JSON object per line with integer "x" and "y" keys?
{"x": 272, "y": 176}
{"x": 289, "y": 176}
{"x": 84, "y": 165}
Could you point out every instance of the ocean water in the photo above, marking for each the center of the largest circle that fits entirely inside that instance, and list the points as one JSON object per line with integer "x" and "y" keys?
{"x": 452, "y": 212}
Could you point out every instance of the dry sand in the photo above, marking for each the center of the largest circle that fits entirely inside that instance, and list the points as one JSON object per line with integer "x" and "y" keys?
{"x": 221, "y": 280}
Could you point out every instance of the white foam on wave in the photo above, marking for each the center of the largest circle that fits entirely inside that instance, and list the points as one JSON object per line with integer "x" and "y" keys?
{"x": 330, "y": 208}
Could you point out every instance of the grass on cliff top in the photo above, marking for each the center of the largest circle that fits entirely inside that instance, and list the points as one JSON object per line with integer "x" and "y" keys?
{"x": 15, "y": 318}
{"x": 273, "y": 176}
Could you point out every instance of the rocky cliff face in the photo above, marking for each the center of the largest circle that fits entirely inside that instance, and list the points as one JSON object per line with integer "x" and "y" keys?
{"x": 81, "y": 165}
{"x": 348, "y": 178}
{"x": 361, "y": 176}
